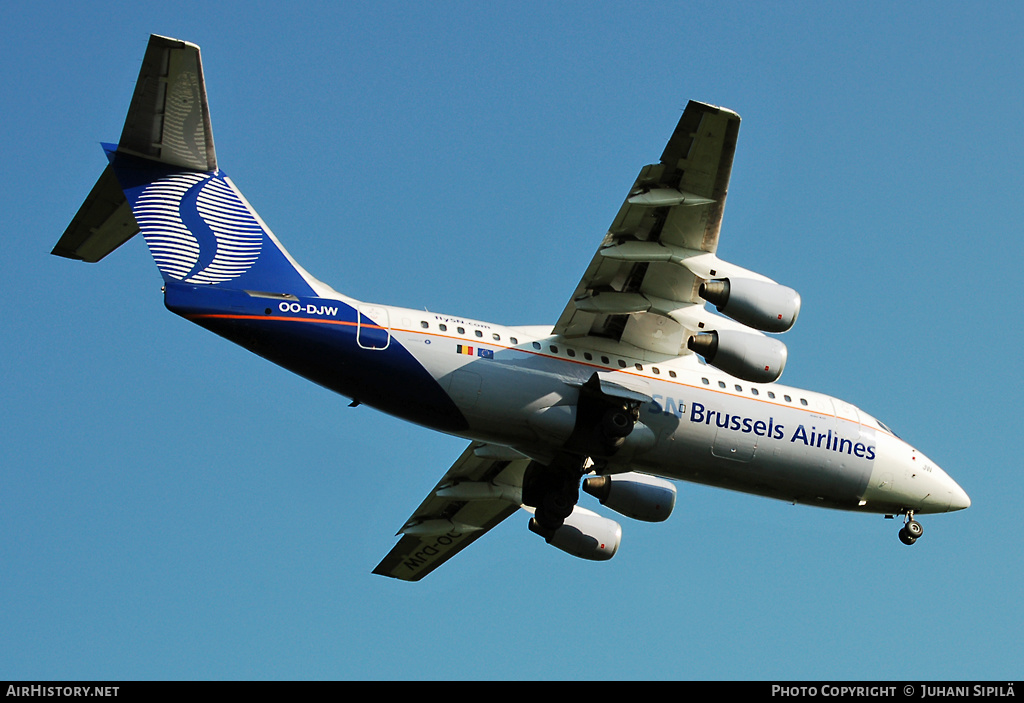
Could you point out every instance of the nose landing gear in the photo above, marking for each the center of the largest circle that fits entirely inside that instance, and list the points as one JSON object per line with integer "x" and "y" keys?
{"x": 911, "y": 530}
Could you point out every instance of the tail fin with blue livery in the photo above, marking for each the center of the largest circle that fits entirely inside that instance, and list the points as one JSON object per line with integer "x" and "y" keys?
{"x": 163, "y": 180}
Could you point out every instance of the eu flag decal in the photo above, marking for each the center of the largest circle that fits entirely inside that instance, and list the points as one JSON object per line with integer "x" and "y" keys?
{"x": 485, "y": 353}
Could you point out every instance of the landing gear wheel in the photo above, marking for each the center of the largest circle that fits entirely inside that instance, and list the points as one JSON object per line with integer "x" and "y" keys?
{"x": 538, "y": 529}
{"x": 911, "y": 530}
{"x": 906, "y": 538}
{"x": 553, "y": 489}
{"x": 556, "y": 507}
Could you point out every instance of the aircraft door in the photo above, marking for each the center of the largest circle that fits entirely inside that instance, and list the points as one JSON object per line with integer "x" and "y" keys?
{"x": 373, "y": 331}
{"x": 845, "y": 411}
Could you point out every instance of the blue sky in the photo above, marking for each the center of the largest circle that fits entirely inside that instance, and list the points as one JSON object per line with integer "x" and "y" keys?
{"x": 173, "y": 507}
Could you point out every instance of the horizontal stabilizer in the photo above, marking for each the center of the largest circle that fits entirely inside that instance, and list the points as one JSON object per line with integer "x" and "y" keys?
{"x": 169, "y": 118}
{"x": 102, "y": 224}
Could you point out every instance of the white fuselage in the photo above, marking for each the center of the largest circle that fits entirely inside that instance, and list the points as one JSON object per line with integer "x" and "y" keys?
{"x": 706, "y": 426}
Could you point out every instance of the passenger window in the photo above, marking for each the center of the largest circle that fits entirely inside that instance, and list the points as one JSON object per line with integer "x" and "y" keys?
{"x": 754, "y": 391}
{"x": 655, "y": 370}
{"x": 443, "y": 327}
{"x": 739, "y": 388}
{"x": 771, "y": 394}
{"x": 554, "y": 349}
{"x": 461, "y": 330}
{"x": 788, "y": 399}
{"x": 496, "y": 337}
{"x": 706, "y": 381}
{"x": 425, "y": 325}
{"x": 570, "y": 352}
{"x": 536, "y": 345}
{"x": 622, "y": 364}
{"x": 672, "y": 373}
{"x": 605, "y": 360}
{"x": 588, "y": 356}
{"x": 721, "y": 384}
{"x": 513, "y": 340}
{"x": 803, "y": 402}
{"x": 478, "y": 333}
{"x": 639, "y": 367}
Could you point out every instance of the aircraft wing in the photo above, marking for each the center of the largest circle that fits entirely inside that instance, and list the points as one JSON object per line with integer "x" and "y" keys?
{"x": 641, "y": 286}
{"x": 482, "y": 488}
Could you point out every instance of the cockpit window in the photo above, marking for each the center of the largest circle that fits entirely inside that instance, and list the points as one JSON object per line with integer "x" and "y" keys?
{"x": 885, "y": 427}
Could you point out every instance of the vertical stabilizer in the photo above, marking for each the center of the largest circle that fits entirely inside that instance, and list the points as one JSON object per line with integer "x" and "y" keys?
{"x": 163, "y": 180}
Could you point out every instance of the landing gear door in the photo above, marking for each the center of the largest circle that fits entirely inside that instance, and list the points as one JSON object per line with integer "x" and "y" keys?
{"x": 373, "y": 330}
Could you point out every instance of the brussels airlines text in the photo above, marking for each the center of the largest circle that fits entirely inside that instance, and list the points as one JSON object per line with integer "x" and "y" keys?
{"x": 770, "y": 429}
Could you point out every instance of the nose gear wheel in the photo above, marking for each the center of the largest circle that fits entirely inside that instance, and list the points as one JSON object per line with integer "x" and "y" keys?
{"x": 911, "y": 530}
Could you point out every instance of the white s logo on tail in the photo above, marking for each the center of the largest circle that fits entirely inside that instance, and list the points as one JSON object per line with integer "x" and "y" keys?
{"x": 198, "y": 229}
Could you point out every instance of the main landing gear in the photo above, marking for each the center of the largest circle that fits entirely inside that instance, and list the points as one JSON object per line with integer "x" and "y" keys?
{"x": 554, "y": 491}
{"x": 603, "y": 422}
{"x": 911, "y": 530}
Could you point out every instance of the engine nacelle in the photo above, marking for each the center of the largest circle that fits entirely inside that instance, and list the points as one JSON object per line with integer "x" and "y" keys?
{"x": 638, "y": 496}
{"x": 764, "y": 306}
{"x": 752, "y": 357}
{"x": 584, "y": 534}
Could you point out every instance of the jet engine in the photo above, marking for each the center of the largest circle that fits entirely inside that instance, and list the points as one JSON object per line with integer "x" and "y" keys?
{"x": 764, "y": 306}
{"x": 752, "y": 357}
{"x": 634, "y": 495}
{"x": 584, "y": 534}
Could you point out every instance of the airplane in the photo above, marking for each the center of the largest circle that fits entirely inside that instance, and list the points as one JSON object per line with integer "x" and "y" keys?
{"x": 639, "y": 383}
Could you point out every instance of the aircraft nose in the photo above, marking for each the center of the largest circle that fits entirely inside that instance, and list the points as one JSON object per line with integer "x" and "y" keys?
{"x": 946, "y": 489}
{"x": 944, "y": 494}
{"x": 960, "y": 500}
